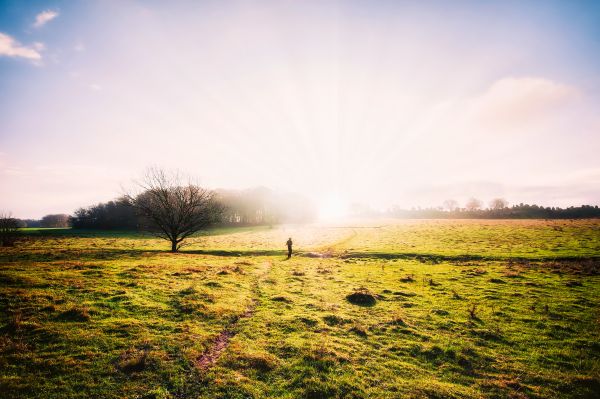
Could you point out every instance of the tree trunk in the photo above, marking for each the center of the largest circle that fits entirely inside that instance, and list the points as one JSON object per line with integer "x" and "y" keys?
{"x": 173, "y": 246}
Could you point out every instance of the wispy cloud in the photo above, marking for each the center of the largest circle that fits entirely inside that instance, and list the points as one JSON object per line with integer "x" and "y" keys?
{"x": 517, "y": 101}
{"x": 79, "y": 46}
{"x": 44, "y": 17}
{"x": 9, "y": 47}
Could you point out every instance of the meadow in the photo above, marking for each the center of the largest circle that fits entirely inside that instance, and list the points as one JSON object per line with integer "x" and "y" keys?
{"x": 379, "y": 309}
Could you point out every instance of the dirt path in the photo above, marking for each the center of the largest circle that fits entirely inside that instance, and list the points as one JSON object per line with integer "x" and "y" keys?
{"x": 330, "y": 250}
{"x": 218, "y": 346}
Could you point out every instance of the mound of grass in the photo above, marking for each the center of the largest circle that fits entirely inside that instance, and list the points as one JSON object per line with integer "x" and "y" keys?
{"x": 359, "y": 330}
{"x": 281, "y": 298}
{"x": 261, "y": 362}
{"x": 334, "y": 320}
{"x": 362, "y": 297}
{"x": 574, "y": 283}
{"x": 133, "y": 361}
{"x": 79, "y": 314}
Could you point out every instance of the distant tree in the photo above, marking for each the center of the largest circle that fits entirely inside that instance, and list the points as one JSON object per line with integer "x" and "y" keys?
{"x": 498, "y": 203}
{"x": 31, "y": 222}
{"x": 450, "y": 205}
{"x": 58, "y": 220}
{"x": 171, "y": 209}
{"x": 473, "y": 204}
{"x": 9, "y": 230}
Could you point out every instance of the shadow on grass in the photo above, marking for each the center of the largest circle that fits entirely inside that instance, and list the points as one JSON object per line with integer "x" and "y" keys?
{"x": 438, "y": 258}
{"x": 49, "y": 255}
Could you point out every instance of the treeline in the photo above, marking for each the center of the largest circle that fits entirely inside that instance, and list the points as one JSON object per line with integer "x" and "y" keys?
{"x": 111, "y": 215}
{"x": 56, "y": 221}
{"x": 262, "y": 206}
{"x": 521, "y": 211}
{"x": 259, "y": 206}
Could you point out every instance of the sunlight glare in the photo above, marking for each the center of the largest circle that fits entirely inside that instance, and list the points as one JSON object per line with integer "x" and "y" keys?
{"x": 332, "y": 207}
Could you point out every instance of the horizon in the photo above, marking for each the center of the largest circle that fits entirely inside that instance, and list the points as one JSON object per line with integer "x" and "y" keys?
{"x": 380, "y": 104}
{"x": 334, "y": 210}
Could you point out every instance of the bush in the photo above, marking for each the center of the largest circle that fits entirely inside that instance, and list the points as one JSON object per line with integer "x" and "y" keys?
{"x": 9, "y": 230}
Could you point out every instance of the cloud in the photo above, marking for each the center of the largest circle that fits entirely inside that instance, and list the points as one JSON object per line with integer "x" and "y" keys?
{"x": 79, "y": 46}
{"x": 514, "y": 102}
{"x": 9, "y": 47}
{"x": 44, "y": 17}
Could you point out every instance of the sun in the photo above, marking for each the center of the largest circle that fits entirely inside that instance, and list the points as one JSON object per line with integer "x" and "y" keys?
{"x": 332, "y": 207}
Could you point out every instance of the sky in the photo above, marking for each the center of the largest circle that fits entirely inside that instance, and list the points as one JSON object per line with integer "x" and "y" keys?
{"x": 384, "y": 103}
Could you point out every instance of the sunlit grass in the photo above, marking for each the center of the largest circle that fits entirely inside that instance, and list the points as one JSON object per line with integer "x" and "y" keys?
{"x": 113, "y": 316}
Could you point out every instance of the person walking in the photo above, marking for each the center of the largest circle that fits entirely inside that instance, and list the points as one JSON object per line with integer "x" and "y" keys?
{"x": 289, "y": 245}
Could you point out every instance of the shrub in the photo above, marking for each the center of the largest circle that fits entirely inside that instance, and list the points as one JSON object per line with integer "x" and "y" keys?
{"x": 9, "y": 230}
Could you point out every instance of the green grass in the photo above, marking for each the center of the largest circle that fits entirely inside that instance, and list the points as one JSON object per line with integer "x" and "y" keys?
{"x": 460, "y": 309}
{"x": 504, "y": 239}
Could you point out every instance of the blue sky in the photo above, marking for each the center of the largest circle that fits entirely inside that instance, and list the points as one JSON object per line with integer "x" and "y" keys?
{"x": 380, "y": 102}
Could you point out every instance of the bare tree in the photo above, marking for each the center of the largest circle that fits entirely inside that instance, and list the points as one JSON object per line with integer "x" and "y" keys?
{"x": 9, "y": 230}
{"x": 171, "y": 209}
{"x": 450, "y": 205}
{"x": 498, "y": 203}
{"x": 473, "y": 204}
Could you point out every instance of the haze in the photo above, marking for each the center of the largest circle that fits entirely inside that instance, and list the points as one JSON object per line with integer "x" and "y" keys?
{"x": 382, "y": 103}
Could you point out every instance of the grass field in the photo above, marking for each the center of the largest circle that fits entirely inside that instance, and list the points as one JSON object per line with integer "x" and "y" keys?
{"x": 417, "y": 309}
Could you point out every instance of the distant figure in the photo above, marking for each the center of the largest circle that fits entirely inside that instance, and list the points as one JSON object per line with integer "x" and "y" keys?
{"x": 289, "y": 245}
